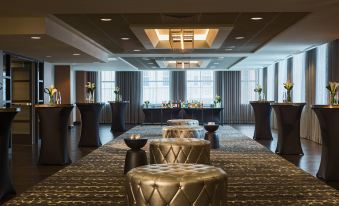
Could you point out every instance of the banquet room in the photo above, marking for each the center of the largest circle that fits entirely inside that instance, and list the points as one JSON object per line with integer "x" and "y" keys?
{"x": 169, "y": 103}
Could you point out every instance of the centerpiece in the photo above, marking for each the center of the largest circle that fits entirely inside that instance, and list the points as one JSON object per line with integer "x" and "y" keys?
{"x": 332, "y": 88}
{"x": 288, "y": 85}
{"x": 51, "y": 91}
{"x": 90, "y": 97}
{"x": 258, "y": 90}
{"x": 147, "y": 102}
{"x": 117, "y": 94}
{"x": 217, "y": 101}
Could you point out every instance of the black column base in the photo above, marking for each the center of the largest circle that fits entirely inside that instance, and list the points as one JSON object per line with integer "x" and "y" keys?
{"x": 135, "y": 158}
{"x": 213, "y": 138}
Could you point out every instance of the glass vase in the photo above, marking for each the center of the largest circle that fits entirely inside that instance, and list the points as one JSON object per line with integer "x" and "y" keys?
{"x": 259, "y": 96}
{"x": 51, "y": 99}
{"x": 332, "y": 99}
{"x": 288, "y": 96}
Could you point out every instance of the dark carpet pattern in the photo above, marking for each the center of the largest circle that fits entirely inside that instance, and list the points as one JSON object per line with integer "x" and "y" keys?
{"x": 256, "y": 176}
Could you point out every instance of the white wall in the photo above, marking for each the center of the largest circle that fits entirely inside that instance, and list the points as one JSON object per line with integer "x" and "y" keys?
{"x": 48, "y": 77}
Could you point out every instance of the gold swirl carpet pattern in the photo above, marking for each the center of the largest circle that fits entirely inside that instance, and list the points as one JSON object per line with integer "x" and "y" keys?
{"x": 256, "y": 176}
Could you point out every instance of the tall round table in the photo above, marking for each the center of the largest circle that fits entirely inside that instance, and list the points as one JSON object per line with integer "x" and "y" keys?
{"x": 262, "y": 114}
{"x": 6, "y": 117}
{"x": 288, "y": 118}
{"x": 118, "y": 116}
{"x": 54, "y": 129}
{"x": 328, "y": 117}
{"x": 90, "y": 113}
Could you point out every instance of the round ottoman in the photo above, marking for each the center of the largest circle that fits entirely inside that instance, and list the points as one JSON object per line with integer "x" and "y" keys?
{"x": 176, "y": 184}
{"x": 181, "y": 131}
{"x": 191, "y": 122}
{"x": 180, "y": 150}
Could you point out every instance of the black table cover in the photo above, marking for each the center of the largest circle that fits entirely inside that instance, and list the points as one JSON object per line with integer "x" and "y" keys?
{"x": 288, "y": 118}
{"x": 211, "y": 136}
{"x": 90, "y": 113}
{"x": 53, "y": 127}
{"x": 328, "y": 119}
{"x": 262, "y": 115}
{"x": 118, "y": 116}
{"x": 6, "y": 117}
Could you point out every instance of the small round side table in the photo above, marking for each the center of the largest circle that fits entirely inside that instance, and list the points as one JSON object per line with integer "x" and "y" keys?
{"x": 211, "y": 136}
{"x": 135, "y": 157}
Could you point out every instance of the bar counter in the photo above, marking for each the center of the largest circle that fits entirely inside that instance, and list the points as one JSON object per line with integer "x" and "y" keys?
{"x": 159, "y": 115}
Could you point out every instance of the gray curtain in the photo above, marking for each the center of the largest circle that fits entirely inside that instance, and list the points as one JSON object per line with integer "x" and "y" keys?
{"x": 309, "y": 123}
{"x": 130, "y": 85}
{"x": 178, "y": 85}
{"x": 333, "y": 61}
{"x": 228, "y": 86}
{"x": 264, "y": 80}
{"x": 274, "y": 122}
{"x": 290, "y": 69}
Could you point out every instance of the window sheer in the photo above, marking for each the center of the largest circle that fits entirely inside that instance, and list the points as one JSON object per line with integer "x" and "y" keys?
{"x": 298, "y": 74}
{"x": 200, "y": 86}
{"x": 270, "y": 82}
{"x": 249, "y": 80}
{"x": 282, "y": 77}
{"x": 107, "y": 85}
{"x": 321, "y": 75}
{"x": 155, "y": 86}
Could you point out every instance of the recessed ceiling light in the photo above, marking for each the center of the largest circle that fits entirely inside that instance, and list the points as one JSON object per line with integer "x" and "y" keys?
{"x": 35, "y": 37}
{"x": 112, "y": 59}
{"x": 239, "y": 37}
{"x": 48, "y": 56}
{"x": 221, "y": 57}
{"x": 231, "y": 47}
{"x": 215, "y": 63}
{"x": 228, "y": 49}
{"x": 136, "y": 50}
{"x": 149, "y": 63}
{"x": 146, "y": 59}
{"x": 76, "y": 54}
{"x": 106, "y": 19}
{"x": 257, "y": 18}
{"x": 125, "y": 38}
{"x": 154, "y": 67}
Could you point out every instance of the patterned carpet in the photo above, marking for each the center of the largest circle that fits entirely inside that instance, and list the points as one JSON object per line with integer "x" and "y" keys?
{"x": 256, "y": 176}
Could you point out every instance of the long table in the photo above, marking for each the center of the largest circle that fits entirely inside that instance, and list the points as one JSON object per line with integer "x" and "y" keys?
{"x": 159, "y": 115}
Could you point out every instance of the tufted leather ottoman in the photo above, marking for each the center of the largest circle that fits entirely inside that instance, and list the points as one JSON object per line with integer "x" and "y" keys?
{"x": 176, "y": 185}
{"x": 189, "y": 122}
{"x": 182, "y": 131}
{"x": 180, "y": 150}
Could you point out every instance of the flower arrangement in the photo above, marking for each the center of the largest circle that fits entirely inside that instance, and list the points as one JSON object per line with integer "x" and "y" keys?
{"x": 332, "y": 88}
{"x": 258, "y": 89}
{"x": 288, "y": 85}
{"x": 117, "y": 94}
{"x": 51, "y": 91}
{"x": 147, "y": 102}
{"x": 217, "y": 101}
{"x": 90, "y": 90}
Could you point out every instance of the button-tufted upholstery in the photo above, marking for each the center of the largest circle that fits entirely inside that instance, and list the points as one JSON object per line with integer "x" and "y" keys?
{"x": 176, "y": 185}
{"x": 189, "y": 122}
{"x": 180, "y": 150}
{"x": 182, "y": 131}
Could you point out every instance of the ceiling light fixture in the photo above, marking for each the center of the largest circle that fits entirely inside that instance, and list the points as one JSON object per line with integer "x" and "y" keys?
{"x": 35, "y": 37}
{"x": 112, "y": 59}
{"x": 154, "y": 67}
{"x": 76, "y": 54}
{"x": 136, "y": 50}
{"x": 228, "y": 49}
{"x": 215, "y": 63}
{"x": 221, "y": 57}
{"x": 239, "y": 37}
{"x": 106, "y": 19}
{"x": 256, "y": 18}
{"x": 48, "y": 56}
{"x": 149, "y": 63}
{"x": 125, "y": 38}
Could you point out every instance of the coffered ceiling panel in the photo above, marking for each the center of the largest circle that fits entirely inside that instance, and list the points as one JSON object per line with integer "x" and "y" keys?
{"x": 255, "y": 33}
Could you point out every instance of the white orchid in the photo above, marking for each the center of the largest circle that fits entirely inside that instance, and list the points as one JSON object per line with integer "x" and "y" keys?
{"x": 90, "y": 86}
{"x": 258, "y": 88}
{"x": 51, "y": 90}
{"x": 288, "y": 85}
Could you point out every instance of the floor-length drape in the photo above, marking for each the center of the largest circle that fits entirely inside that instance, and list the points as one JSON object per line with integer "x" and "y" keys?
{"x": 228, "y": 86}
{"x": 264, "y": 80}
{"x": 309, "y": 123}
{"x": 178, "y": 85}
{"x": 130, "y": 84}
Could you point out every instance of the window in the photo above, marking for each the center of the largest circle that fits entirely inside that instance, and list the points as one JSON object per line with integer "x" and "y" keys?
{"x": 248, "y": 84}
{"x": 321, "y": 75}
{"x": 270, "y": 82}
{"x": 298, "y": 75}
{"x": 200, "y": 86}
{"x": 107, "y": 86}
{"x": 282, "y": 77}
{"x": 155, "y": 86}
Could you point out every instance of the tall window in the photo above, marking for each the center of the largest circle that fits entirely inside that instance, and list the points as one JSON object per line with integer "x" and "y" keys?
{"x": 282, "y": 77}
{"x": 270, "y": 82}
{"x": 249, "y": 81}
{"x": 107, "y": 86}
{"x": 200, "y": 86}
{"x": 155, "y": 86}
{"x": 321, "y": 75}
{"x": 298, "y": 74}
